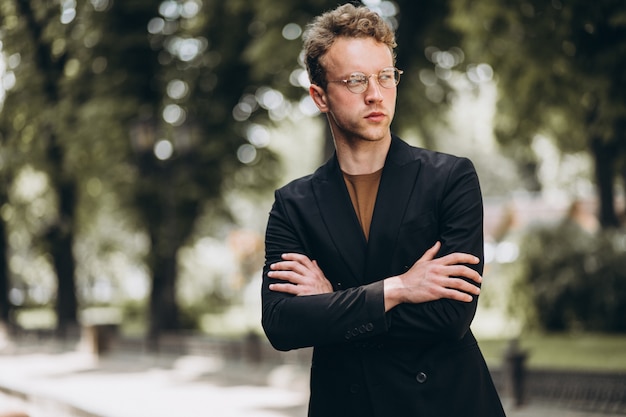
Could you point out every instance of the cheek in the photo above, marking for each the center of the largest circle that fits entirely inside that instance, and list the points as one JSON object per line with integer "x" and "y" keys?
{"x": 345, "y": 105}
{"x": 391, "y": 104}
{"x": 344, "y": 115}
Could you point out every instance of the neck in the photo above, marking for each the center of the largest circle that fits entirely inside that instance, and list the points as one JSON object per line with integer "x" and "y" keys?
{"x": 362, "y": 157}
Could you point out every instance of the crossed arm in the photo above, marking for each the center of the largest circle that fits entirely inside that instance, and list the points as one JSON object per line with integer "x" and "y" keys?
{"x": 429, "y": 279}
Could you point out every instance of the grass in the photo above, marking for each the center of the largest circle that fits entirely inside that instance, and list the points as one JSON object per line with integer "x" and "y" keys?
{"x": 589, "y": 352}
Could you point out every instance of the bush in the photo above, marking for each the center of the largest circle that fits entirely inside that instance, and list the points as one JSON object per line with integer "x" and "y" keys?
{"x": 574, "y": 280}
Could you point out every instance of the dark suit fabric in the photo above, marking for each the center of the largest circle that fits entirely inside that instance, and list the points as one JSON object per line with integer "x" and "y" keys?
{"x": 418, "y": 360}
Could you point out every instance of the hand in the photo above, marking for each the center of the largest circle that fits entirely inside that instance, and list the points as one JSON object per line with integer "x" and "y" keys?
{"x": 303, "y": 276}
{"x": 432, "y": 279}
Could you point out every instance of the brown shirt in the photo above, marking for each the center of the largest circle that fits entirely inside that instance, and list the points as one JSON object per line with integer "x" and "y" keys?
{"x": 363, "y": 190}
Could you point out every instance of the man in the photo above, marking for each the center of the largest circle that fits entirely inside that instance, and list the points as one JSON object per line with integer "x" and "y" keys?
{"x": 375, "y": 259}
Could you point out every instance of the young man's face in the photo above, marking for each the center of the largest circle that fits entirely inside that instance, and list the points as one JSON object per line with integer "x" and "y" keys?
{"x": 362, "y": 116}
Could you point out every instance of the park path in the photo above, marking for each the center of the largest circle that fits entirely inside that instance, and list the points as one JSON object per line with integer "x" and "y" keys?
{"x": 74, "y": 383}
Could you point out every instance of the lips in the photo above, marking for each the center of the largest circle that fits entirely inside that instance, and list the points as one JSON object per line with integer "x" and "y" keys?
{"x": 375, "y": 116}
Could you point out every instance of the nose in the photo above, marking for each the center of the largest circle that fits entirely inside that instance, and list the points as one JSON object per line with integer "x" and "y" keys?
{"x": 373, "y": 92}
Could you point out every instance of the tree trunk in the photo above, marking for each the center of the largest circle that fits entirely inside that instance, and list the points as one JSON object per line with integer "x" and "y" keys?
{"x": 620, "y": 136}
{"x": 169, "y": 222}
{"x": 604, "y": 155}
{"x": 60, "y": 239}
{"x": 60, "y": 236}
{"x": 163, "y": 305}
{"x": 4, "y": 275}
{"x": 622, "y": 215}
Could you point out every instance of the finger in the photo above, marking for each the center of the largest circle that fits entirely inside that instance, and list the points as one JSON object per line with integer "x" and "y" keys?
{"x": 459, "y": 284}
{"x": 430, "y": 253}
{"x": 458, "y": 258}
{"x": 297, "y": 257}
{"x": 289, "y": 266}
{"x": 283, "y": 266}
{"x": 289, "y": 276}
{"x": 466, "y": 287}
{"x": 458, "y": 296}
{"x": 318, "y": 270}
{"x": 285, "y": 288}
{"x": 463, "y": 271}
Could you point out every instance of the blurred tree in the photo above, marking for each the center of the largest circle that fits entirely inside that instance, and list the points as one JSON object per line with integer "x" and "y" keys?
{"x": 560, "y": 69}
{"x": 184, "y": 72}
{"x": 5, "y": 308}
{"x": 37, "y": 122}
{"x": 572, "y": 280}
{"x": 5, "y": 281}
{"x": 139, "y": 96}
{"x": 132, "y": 76}
{"x": 201, "y": 80}
{"x": 166, "y": 105}
{"x": 429, "y": 52}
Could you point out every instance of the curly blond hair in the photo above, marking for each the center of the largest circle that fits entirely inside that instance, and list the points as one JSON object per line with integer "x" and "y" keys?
{"x": 345, "y": 21}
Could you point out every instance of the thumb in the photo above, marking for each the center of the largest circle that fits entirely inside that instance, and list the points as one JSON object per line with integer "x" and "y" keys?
{"x": 430, "y": 254}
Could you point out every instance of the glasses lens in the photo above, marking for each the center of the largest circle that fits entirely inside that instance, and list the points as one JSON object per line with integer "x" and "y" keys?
{"x": 357, "y": 83}
{"x": 389, "y": 77}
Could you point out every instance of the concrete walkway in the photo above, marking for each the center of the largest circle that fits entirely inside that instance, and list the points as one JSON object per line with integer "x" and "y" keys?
{"x": 73, "y": 383}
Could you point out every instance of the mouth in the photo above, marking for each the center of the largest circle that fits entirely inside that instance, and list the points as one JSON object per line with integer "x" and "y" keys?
{"x": 375, "y": 116}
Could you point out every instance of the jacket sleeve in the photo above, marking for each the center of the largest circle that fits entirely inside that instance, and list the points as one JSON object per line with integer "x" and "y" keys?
{"x": 459, "y": 214}
{"x": 292, "y": 322}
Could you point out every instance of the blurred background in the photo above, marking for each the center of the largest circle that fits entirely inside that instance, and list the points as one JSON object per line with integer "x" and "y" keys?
{"x": 140, "y": 143}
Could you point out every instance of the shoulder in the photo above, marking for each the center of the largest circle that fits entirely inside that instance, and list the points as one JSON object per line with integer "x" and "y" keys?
{"x": 401, "y": 153}
{"x": 297, "y": 188}
{"x": 303, "y": 186}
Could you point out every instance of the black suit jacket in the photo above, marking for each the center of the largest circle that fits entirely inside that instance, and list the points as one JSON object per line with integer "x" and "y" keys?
{"x": 417, "y": 359}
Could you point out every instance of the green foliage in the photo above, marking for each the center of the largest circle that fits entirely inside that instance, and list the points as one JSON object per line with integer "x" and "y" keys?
{"x": 97, "y": 83}
{"x": 572, "y": 279}
{"x": 94, "y": 84}
{"x": 555, "y": 61}
{"x": 560, "y": 71}
{"x": 133, "y": 317}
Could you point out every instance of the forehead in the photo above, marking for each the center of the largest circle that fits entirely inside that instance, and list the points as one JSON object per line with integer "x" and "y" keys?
{"x": 357, "y": 54}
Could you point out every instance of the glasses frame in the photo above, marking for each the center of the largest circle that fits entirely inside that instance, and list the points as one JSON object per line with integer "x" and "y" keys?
{"x": 361, "y": 88}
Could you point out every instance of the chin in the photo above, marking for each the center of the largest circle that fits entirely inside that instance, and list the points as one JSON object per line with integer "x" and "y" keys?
{"x": 377, "y": 137}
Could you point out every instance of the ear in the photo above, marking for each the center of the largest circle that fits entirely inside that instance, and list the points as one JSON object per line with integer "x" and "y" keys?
{"x": 319, "y": 97}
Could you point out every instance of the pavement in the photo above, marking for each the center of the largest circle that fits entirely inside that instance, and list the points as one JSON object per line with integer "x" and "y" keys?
{"x": 72, "y": 382}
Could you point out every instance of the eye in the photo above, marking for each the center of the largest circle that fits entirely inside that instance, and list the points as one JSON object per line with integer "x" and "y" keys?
{"x": 387, "y": 76}
{"x": 356, "y": 79}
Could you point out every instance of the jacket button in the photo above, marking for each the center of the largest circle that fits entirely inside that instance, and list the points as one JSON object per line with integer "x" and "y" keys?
{"x": 354, "y": 388}
{"x": 421, "y": 377}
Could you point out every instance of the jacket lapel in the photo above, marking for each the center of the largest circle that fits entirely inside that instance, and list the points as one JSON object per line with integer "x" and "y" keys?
{"x": 340, "y": 219}
{"x": 396, "y": 187}
{"x": 366, "y": 261}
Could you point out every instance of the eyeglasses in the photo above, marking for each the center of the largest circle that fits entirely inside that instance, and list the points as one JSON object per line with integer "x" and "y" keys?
{"x": 358, "y": 82}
